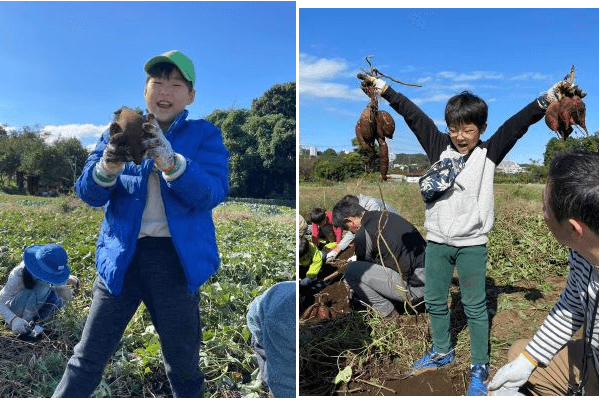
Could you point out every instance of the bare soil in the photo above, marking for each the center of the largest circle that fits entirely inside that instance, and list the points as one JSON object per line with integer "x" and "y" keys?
{"x": 384, "y": 376}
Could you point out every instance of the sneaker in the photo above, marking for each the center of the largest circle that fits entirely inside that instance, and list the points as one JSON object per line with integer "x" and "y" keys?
{"x": 479, "y": 373}
{"x": 433, "y": 360}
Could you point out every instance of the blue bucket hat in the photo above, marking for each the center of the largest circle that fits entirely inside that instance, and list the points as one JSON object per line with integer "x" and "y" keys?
{"x": 47, "y": 263}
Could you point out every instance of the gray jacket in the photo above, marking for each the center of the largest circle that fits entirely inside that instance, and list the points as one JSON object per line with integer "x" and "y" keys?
{"x": 464, "y": 215}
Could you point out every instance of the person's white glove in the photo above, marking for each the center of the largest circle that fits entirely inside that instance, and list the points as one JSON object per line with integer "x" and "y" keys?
{"x": 65, "y": 293}
{"x": 114, "y": 157}
{"x": 73, "y": 281}
{"x": 556, "y": 93}
{"x": 19, "y": 326}
{"x": 505, "y": 392}
{"x": 379, "y": 84}
{"x": 331, "y": 256}
{"x": 512, "y": 375}
{"x": 157, "y": 146}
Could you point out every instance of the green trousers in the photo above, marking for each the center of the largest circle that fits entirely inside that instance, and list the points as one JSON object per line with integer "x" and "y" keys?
{"x": 470, "y": 263}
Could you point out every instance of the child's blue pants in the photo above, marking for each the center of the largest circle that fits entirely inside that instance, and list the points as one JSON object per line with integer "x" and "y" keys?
{"x": 156, "y": 277}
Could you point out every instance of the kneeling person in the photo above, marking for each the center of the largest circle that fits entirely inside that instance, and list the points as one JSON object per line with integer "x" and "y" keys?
{"x": 390, "y": 255}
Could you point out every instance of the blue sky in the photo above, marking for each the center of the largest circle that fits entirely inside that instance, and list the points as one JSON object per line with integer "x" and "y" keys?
{"x": 506, "y": 56}
{"x": 67, "y": 66}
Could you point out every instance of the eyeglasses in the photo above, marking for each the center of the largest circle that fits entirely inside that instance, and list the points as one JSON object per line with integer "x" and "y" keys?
{"x": 465, "y": 132}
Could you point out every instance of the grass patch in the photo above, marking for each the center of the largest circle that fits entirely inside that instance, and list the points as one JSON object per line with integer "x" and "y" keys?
{"x": 257, "y": 247}
{"x": 526, "y": 272}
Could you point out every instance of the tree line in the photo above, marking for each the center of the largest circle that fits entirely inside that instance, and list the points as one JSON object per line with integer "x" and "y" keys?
{"x": 261, "y": 142}
{"x": 332, "y": 166}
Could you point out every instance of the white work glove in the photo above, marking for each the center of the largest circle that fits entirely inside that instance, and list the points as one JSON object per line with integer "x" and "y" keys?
{"x": 157, "y": 146}
{"x": 19, "y": 326}
{"x": 65, "y": 293}
{"x": 556, "y": 93}
{"x": 73, "y": 281}
{"x": 379, "y": 84}
{"x": 331, "y": 256}
{"x": 512, "y": 375}
{"x": 114, "y": 157}
{"x": 505, "y": 392}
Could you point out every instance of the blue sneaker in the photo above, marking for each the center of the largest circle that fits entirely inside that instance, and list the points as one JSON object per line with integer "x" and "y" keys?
{"x": 479, "y": 373}
{"x": 432, "y": 360}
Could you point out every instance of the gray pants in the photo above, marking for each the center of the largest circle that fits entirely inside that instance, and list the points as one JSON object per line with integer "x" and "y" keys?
{"x": 377, "y": 285}
{"x": 156, "y": 277}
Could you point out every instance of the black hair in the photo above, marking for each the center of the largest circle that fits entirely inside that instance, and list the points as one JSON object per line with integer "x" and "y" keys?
{"x": 573, "y": 180}
{"x": 28, "y": 279}
{"x": 466, "y": 108}
{"x": 303, "y": 246}
{"x": 317, "y": 215}
{"x": 351, "y": 197}
{"x": 163, "y": 70}
{"x": 344, "y": 209}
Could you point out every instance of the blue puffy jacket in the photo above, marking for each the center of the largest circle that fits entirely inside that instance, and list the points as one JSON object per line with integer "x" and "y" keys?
{"x": 188, "y": 202}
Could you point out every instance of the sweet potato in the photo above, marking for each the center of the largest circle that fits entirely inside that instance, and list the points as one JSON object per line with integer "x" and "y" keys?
{"x": 130, "y": 123}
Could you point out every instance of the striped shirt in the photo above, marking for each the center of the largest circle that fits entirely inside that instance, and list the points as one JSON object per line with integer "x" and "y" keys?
{"x": 575, "y": 305}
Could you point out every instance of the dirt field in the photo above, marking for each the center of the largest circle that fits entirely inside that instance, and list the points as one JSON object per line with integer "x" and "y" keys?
{"x": 383, "y": 374}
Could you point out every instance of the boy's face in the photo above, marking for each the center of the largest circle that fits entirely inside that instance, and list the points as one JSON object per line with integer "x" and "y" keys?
{"x": 465, "y": 136}
{"x": 353, "y": 224}
{"x": 167, "y": 97}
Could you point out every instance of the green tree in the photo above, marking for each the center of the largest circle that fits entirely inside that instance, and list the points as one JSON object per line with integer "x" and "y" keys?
{"x": 262, "y": 144}
{"x": 354, "y": 164}
{"x": 554, "y": 145}
{"x": 330, "y": 168}
{"x": 244, "y": 160}
{"x": 10, "y": 158}
{"x": 279, "y": 99}
{"x": 73, "y": 157}
{"x": 27, "y": 152}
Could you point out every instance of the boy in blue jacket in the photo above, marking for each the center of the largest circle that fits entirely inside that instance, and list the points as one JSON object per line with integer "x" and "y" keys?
{"x": 157, "y": 242}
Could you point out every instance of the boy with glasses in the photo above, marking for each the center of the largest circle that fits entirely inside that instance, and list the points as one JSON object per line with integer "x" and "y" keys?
{"x": 459, "y": 220}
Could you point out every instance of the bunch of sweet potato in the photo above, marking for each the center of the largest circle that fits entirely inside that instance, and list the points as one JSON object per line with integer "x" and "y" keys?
{"x": 320, "y": 311}
{"x": 567, "y": 111}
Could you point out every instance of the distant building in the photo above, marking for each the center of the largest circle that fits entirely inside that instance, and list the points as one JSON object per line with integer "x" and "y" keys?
{"x": 509, "y": 167}
{"x": 313, "y": 151}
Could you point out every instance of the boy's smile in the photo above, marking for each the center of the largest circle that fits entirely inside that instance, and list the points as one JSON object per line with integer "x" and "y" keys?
{"x": 167, "y": 97}
{"x": 465, "y": 137}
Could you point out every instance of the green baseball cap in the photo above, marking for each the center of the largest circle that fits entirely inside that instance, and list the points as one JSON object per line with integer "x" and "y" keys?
{"x": 179, "y": 59}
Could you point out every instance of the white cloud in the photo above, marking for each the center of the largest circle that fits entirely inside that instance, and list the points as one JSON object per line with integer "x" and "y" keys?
{"x": 433, "y": 98}
{"x": 330, "y": 90}
{"x": 83, "y": 132}
{"x": 311, "y": 68}
{"x": 343, "y": 112}
{"x": 318, "y": 78}
{"x": 530, "y": 75}
{"x": 470, "y": 76}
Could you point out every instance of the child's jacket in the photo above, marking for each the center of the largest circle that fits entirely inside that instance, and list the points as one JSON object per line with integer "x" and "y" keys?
{"x": 313, "y": 260}
{"x": 464, "y": 215}
{"x": 336, "y": 230}
{"x": 188, "y": 202}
